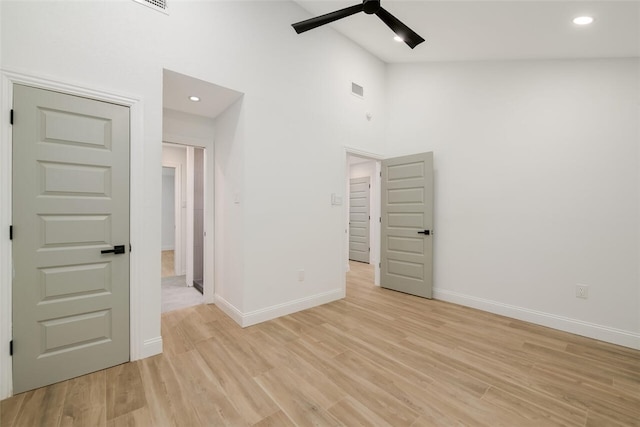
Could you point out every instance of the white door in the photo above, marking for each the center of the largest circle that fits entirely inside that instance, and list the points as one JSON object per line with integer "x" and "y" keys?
{"x": 359, "y": 219}
{"x": 70, "y": 236}
{"x": 407, "y": 220}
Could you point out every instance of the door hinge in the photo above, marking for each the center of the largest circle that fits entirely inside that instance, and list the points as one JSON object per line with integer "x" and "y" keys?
{"x": 379, "y": 265}
{"x": 369, "y": 185}
{"x": 11, "y": 232}
{"x": 380, "y": 220}
{"x": 129, "y": 247}
{"x": 380, "y": 174}
{"x": 11, "y": 117}
{"x": 11, "y": 348}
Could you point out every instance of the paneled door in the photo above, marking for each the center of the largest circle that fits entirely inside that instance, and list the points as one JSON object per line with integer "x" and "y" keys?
{"x": 359, "y": 219}
{"x": 70, "y": 236}
{"x": 407, "y": 221}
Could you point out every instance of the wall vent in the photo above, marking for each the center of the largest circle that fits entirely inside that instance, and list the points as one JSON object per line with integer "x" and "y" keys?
{"x": 357, "y": 90}
{"x": 159, "y": 5}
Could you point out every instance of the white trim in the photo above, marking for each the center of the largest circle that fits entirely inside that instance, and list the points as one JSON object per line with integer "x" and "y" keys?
{"x": 135, "y": 104}
{"x": 361, "y": 153}
{"x": 562, "y": 323}
{"x": 278, "y": 310}
{"x": 151, "y": 347}
{"x": 184, "y": 141}
{"x": 228, "y": 309}
{"x": 6, "y": 265}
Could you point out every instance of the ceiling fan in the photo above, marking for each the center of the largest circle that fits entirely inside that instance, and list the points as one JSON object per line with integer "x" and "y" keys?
{"x": 370, "y": 7}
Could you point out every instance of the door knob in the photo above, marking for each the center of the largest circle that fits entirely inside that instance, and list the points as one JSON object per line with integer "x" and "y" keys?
{"x": 116, "y": 250}
{"x": 425, "y": 232}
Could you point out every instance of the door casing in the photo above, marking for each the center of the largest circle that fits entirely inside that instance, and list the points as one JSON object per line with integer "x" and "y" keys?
{"x": 138, "y": 348}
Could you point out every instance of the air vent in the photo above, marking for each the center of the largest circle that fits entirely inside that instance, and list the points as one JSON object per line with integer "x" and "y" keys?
{"x": 357, "y": 90}
{"x": 159, "y": 5}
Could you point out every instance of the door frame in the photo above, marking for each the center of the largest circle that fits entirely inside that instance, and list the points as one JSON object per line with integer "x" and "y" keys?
{"x": 374, "y": 207}
{"x": 208, "y": 286}
{"x": 8, "y": 79}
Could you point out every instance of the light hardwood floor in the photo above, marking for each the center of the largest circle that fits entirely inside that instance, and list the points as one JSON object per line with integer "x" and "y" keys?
{"x": 376, "y": 358}
{"x": 168, "y": 269}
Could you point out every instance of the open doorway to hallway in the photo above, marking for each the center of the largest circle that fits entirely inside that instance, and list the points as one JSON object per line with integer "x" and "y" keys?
{"x": 182, "y": 226}
{"x": 363, "y": 213}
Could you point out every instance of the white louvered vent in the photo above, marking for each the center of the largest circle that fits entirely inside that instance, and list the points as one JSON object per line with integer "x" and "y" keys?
{"x": 159, "y": 5}
{"x": 357, "y": 90}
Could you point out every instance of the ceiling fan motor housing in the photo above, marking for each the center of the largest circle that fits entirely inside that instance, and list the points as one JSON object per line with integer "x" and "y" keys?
{"x": 371, "y": 6}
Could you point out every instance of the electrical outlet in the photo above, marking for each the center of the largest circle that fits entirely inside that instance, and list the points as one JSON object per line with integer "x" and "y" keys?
{"x": 300, "y": 275}
{"x": 582, "y": 291}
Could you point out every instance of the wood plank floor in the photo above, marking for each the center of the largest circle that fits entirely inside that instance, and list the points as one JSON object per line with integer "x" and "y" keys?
{"x": 376, "y": 358}
{"x": 168, "y": 269}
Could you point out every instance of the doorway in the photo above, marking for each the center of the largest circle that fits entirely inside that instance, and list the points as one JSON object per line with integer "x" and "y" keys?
{"x": 402, "y": 202}
{"x": 182, "y": 218}
{"x": 363, "y": 210}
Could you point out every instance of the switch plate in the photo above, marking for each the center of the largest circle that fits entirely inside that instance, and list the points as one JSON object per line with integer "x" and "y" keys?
{"x": 300, "y": 275}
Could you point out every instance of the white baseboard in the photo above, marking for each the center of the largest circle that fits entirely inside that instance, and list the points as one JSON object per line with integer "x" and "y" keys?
{"x": 268, "y": 313}
{"x": 151, "y": 347}
{"x": 262, "y": 315}
{"x": 168, "y": 248}
{"x": 604, "y": 333}
{"x": 228, "y": 309}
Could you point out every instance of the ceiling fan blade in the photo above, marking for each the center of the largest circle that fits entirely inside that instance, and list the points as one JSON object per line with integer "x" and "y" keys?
{"x": 312, "y": 23}
{"x": 410, "y": 37}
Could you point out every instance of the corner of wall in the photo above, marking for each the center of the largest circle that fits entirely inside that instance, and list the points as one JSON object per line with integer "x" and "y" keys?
{"x": 268, "y": 313}
{"x": 228, "y": 309}
{"x": 150, "y": 347}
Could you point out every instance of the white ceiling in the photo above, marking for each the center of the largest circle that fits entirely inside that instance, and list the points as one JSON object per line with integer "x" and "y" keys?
{"x": 493, "y": 30}
{"x": 455, "y": 31}
{"x": 214, "y": 99}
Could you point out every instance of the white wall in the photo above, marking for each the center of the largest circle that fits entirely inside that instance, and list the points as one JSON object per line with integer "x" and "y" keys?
{"x": 168, "y": 209}
{"x": 229, "y": 212}
{"x": 297, "y": 104}
{"x": 537, "y": 189}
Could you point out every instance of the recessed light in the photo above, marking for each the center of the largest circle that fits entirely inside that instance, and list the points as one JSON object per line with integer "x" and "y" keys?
{"x": 583, "y": 20}
{"x": 194, "y": 98}
{"x": 398, "y": 39}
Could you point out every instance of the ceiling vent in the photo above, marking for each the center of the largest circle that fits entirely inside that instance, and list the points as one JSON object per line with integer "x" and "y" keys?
{"x": 159, "y": 5}
{"x": 357, "y": 90}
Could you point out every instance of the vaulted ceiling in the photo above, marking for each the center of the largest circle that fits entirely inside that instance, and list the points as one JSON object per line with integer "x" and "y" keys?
{"x": 493, "y": 30}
